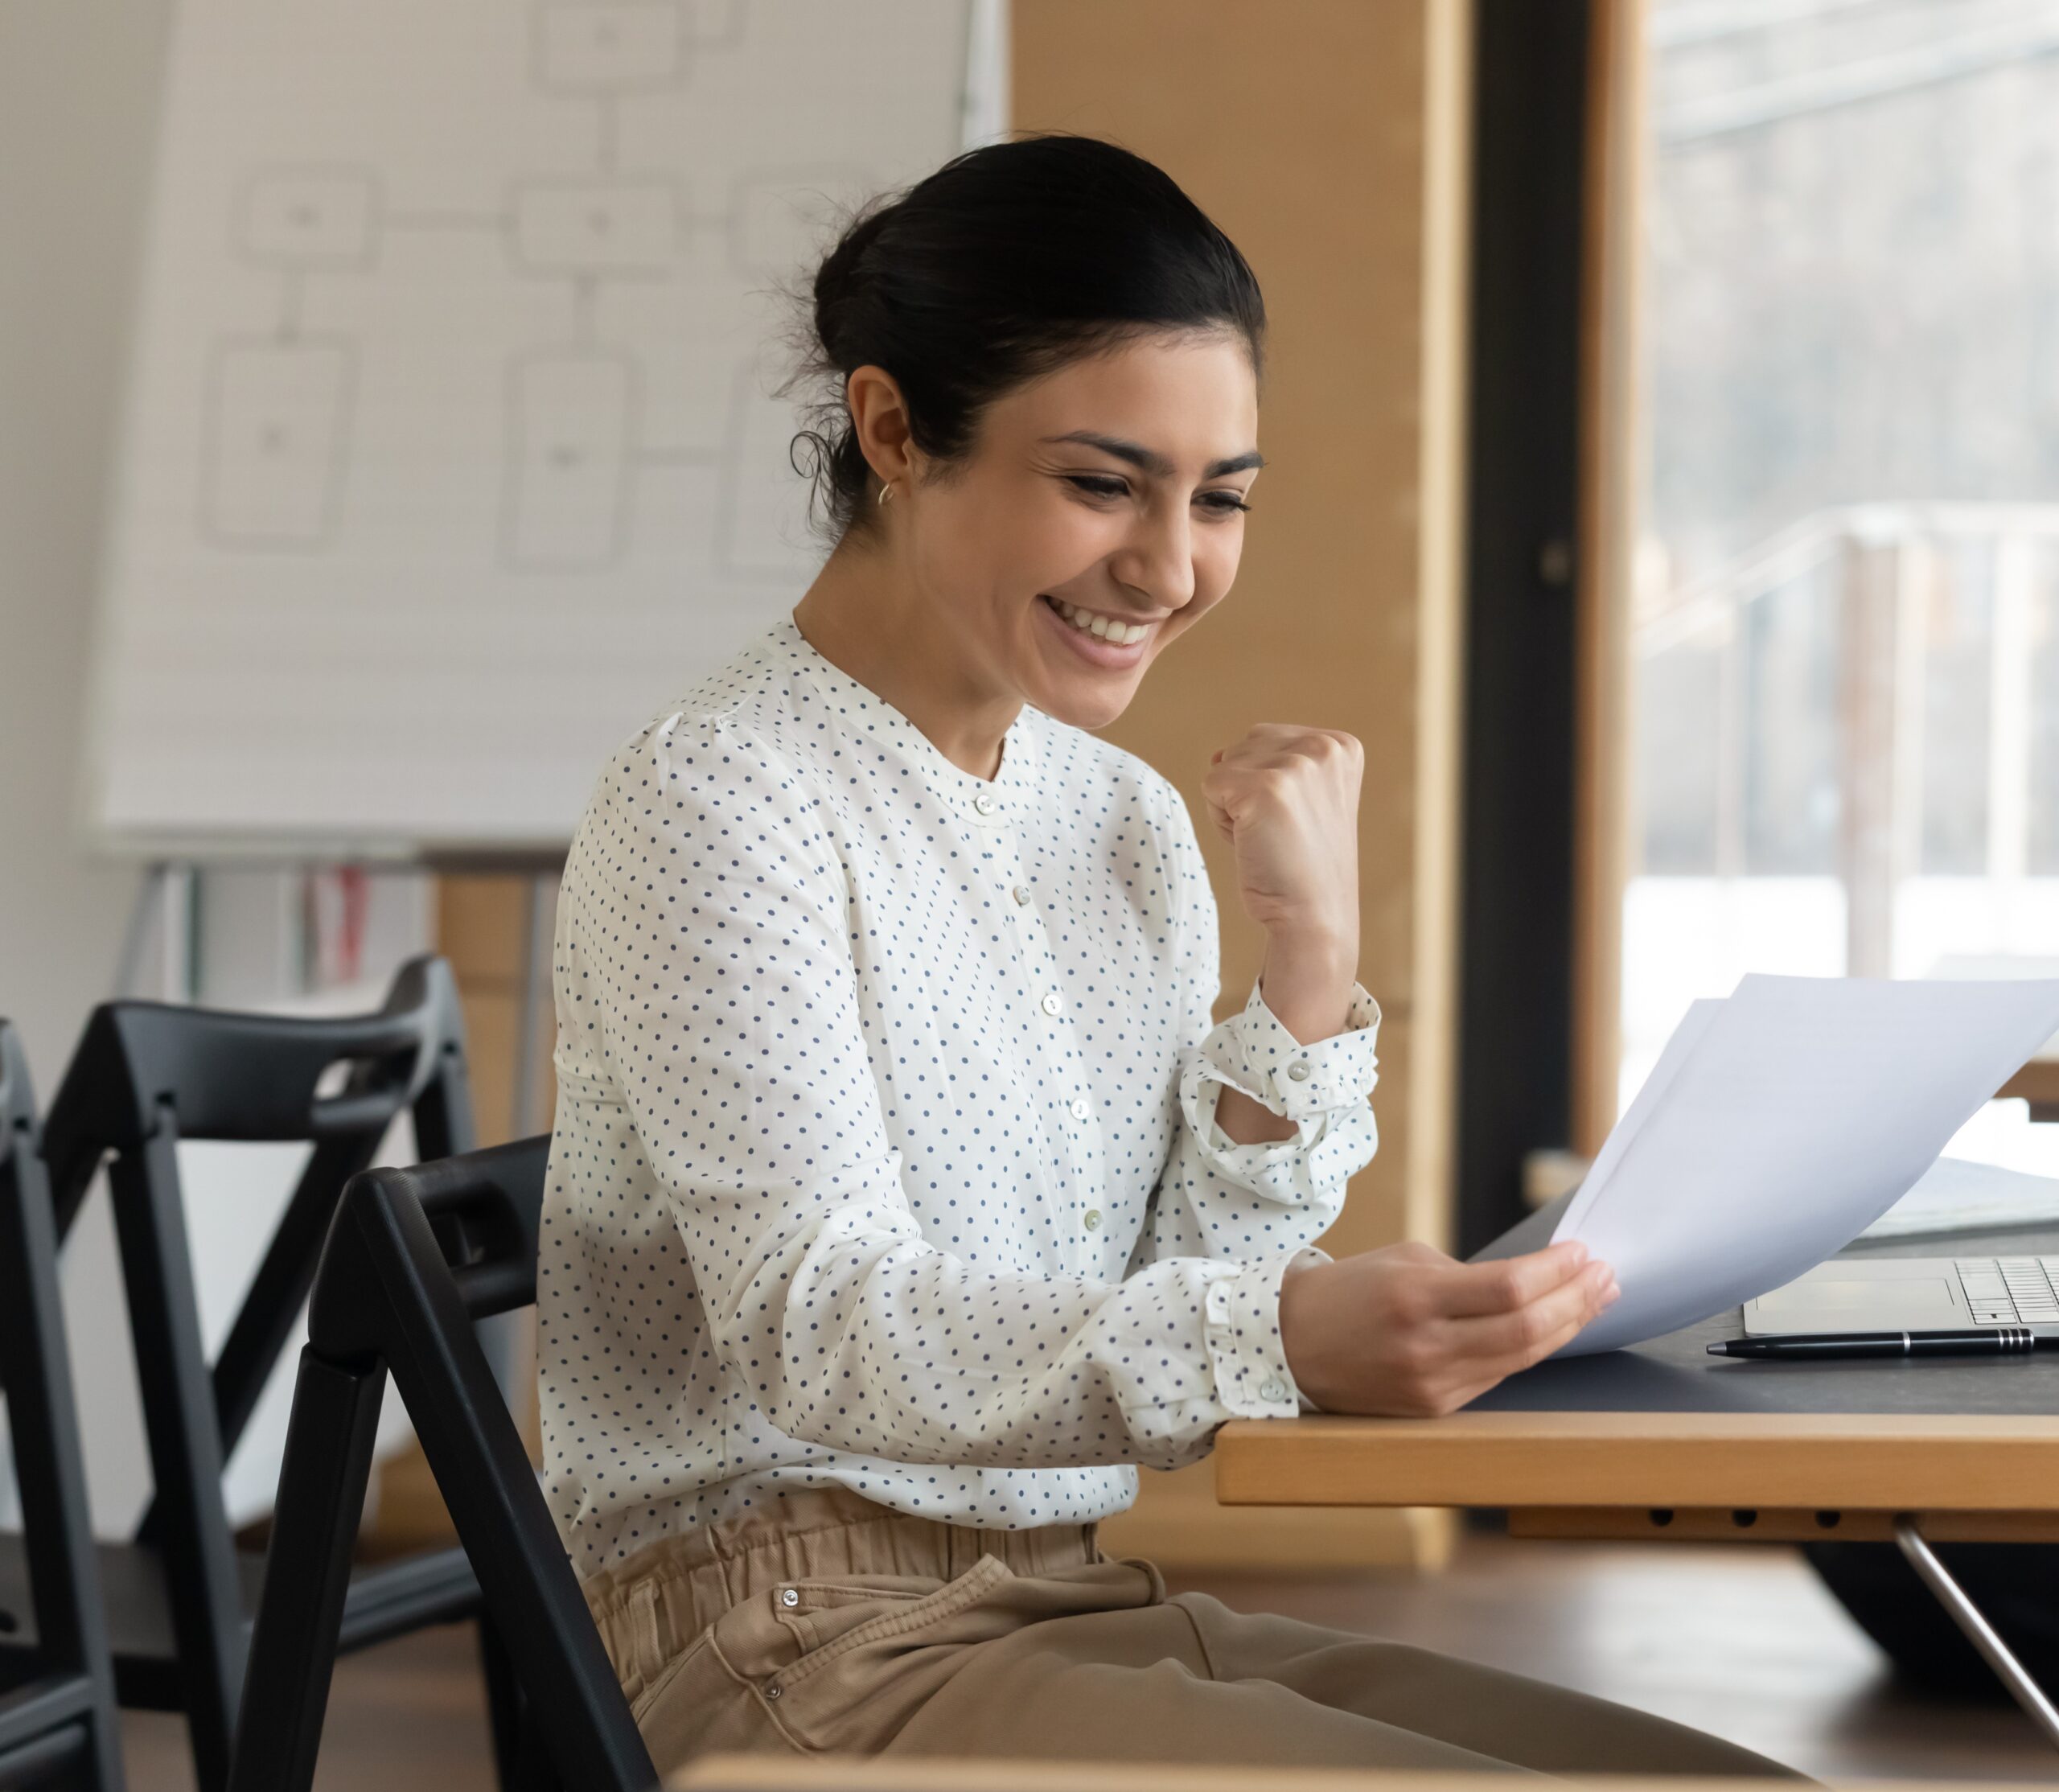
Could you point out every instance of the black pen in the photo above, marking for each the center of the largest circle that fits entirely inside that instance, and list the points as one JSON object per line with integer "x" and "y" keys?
{"x": 1989, "y": 1340}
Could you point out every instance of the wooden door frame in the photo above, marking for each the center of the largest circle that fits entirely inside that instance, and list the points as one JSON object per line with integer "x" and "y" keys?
{"x": 1552, "y": 480}
{"x": 1611, "y": 477}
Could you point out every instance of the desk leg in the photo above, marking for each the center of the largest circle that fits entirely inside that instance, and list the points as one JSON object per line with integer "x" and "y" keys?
{"x": 1979, "y": 1631}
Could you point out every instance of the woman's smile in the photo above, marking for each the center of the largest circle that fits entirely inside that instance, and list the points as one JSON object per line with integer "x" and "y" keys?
{"x": 1102, "y": 640}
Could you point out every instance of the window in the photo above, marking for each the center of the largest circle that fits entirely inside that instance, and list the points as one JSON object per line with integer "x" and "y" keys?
{"x": 1845, "y": 634}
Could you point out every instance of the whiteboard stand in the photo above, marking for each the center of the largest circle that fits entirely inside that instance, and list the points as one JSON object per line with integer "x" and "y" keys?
{"x": 135, "y": 938}
{"x": 163, "y": 906}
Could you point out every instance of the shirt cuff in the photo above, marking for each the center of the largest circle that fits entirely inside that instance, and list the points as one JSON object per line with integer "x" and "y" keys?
{"x": 1253, "y": 1051}
{"x": 1242, "y": 1305}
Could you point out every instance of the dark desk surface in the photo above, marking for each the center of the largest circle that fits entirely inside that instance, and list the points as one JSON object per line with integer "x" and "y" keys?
{"x": 1676, "y": 1374}
{"x": 1664, "y": 1428}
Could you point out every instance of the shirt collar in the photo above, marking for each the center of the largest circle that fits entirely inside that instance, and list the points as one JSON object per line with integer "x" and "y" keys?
{"x": 982, "y": 802}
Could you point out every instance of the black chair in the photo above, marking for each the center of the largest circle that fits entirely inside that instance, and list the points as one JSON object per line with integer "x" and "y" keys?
{"x": 57, "y": 1715}
{"x": 417, "y": 1257}
{"x": 179, "y": 1597}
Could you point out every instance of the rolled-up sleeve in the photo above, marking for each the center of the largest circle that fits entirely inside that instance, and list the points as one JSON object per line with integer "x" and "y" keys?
{"x": 1261, "y": 1205}
{"x": 1324, "y": 1087}
{"x": 718, "y": 935}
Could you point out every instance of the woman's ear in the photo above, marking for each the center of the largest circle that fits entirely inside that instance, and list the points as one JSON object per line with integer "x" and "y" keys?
{"x": 880, "y": 420}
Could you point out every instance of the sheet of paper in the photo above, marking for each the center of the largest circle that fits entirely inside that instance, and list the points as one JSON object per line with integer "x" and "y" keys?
{"x": 1792, "y": 1117}
{"x": 1643, "y": 1104}
{"x": 1956, "y": 1196}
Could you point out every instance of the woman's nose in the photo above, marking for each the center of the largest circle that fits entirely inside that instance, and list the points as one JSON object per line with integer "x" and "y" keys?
{"x": 1159, "y": 561}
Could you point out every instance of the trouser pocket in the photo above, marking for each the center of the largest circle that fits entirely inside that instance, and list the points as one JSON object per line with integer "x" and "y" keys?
{"x": 724, "y": 1689}
{"x": 843, "y": 1666}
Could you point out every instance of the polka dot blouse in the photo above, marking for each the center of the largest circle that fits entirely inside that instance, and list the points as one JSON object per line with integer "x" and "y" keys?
{"x": 885, "y": 1152}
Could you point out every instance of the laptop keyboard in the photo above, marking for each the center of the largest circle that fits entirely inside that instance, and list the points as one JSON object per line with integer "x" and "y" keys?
{"x": 2011, "y": 1291}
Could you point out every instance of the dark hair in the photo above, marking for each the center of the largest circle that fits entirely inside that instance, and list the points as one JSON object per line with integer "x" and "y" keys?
{"x": 1003, "y": 265}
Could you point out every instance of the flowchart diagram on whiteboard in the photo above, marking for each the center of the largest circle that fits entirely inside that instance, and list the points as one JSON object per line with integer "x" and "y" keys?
{"x": 452, "y": 447}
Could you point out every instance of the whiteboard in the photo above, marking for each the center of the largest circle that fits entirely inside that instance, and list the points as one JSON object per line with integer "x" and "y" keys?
{"x": 450, "y": 452}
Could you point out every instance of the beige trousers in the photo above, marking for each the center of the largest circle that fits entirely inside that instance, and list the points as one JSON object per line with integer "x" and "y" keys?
{"x": 828, "y": 1623}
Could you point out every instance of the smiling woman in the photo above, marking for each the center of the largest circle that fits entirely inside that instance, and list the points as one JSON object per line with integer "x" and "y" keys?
{"x": 1069, "y": 395}
{"x": 1056, "y": 562}
{"x": 904, "y": 1197}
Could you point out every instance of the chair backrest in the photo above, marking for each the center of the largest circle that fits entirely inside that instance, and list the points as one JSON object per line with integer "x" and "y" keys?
{"x": 149, "y": 1074}
{"x": 73, "y": 1668}
{"x": 215, "y": 1074}
{"x": 415, "y": 1258}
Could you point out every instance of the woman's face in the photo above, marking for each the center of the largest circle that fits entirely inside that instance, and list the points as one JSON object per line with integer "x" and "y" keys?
{"x": 1100, "y": 516}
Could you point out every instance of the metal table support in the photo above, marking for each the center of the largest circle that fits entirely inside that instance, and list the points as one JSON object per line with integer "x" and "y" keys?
{"x": 1979, "y": 1631}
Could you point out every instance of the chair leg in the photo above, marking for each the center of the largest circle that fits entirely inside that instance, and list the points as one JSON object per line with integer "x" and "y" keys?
{"x": 330, "y": 1440}
{"x": 521, "y": 1757}
{"x": 536, "y": 1771}
{"x": 186, "y": 1458}
{"x": 503, "y": 1704}
{"x": 102, "y": 1771}
{"x": 42, "y": 1414}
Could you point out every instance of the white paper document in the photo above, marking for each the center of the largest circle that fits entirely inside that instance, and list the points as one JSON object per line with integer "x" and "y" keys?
{"x": 1779, "y": 1125}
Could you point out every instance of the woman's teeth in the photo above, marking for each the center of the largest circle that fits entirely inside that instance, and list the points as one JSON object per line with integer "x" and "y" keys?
{"x": 1121, "y": 634}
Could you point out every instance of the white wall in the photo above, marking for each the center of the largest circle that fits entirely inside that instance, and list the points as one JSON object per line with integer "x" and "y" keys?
{"x": 79, "y": 89}
{"x": 78, "y": 98}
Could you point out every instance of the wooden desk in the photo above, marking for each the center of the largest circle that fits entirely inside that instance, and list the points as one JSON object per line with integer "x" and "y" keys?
{"x": 2037, "y": 1082}
{"x": 832, "y": 1773}
{"x": 1664, "y": 1441}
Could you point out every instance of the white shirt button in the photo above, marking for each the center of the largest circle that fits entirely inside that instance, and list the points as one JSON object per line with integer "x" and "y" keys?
{"x": 1298, "y": 1071}
{"x": 1093, "y": 1220}
{"x": 1271, "y": 1390}
{"x": 788, "y": 1596}
{"x": 984, "y": 803}
{"x": 1050, "y": 1004}
{"x": 1021, "y": 893}
{"x": 1081, "y": 1107}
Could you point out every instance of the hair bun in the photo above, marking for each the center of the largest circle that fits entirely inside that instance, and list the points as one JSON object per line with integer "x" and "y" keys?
{"x": 1003, "y": 265}
{"x": 841, "y": 281}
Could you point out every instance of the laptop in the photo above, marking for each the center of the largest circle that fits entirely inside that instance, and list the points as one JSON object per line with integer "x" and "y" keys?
{"x": 1894, "y": 1294}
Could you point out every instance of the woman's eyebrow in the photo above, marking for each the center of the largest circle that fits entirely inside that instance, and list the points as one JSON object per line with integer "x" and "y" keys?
{"x": 1149, "y": 460}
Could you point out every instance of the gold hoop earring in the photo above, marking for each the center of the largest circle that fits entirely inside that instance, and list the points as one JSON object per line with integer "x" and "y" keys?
{"x": 886, "y": 491}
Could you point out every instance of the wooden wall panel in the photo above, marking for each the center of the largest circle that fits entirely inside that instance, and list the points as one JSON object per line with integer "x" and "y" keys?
{"x": 1328, "y": 139}
{"x": 481, "y": 928}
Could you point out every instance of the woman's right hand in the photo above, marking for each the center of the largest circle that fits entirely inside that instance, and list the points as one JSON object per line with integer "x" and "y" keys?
{"x": 1408, "y": 1332}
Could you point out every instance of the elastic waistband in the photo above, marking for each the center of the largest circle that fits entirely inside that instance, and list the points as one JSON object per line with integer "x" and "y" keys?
{"x": 668, "y": 1593}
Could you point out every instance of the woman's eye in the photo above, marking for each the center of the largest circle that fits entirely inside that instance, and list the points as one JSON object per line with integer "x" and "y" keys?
{"x": 1108, "y": 487}
{"x": 1099, "y": 485}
